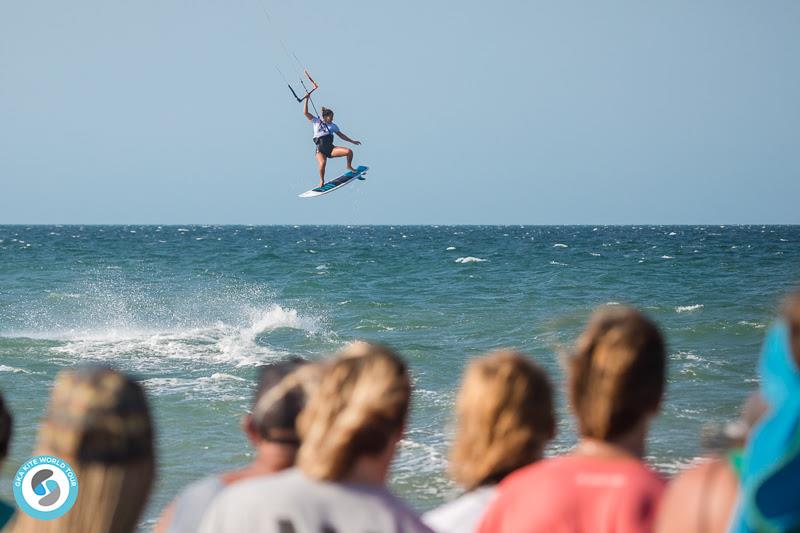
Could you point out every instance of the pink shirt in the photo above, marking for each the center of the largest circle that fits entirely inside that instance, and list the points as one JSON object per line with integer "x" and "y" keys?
{"x": 576, "y": 494}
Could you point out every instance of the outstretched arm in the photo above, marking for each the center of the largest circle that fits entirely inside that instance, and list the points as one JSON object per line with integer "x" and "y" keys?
{"x": 346, "y": 138}
{"x": 308, "y": 115}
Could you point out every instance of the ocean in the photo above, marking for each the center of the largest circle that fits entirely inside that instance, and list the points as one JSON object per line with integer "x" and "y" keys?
{"x": 191, "y": 310}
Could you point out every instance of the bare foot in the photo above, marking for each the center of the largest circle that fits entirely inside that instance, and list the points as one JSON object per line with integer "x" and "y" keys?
{"x": 321, "y": 183}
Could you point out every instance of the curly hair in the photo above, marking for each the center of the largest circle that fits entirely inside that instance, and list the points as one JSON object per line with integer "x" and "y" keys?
{"x": 361, "y": 402}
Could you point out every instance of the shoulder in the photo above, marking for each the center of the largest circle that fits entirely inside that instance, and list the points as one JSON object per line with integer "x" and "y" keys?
{"x": 6, "y": 512}
{"x": 543, "y": 469}
{"x": 701, "y": 497}
{"x": 463, "y": 513}
{"x": 244, "y": 504}
{"x": 185, "y": 510}
{"x": 253, "y": 490}
{"x": 393, "y": 504}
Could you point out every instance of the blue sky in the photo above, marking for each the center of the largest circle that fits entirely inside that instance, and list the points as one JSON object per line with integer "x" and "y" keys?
{"x": 171, "y": 111}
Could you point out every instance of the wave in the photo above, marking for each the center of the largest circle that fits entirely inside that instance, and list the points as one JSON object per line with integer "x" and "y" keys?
{"x": 560, "y": 245}
{"x": 755, "y": 325}
{"x": 14, "y": 370}
{"x": 688, "y": 308}
{"x": 470, "y": 260}
{"x": 451, "y": 248}
{"x": 239, "y": 344}
{"x": 218, "y": 386}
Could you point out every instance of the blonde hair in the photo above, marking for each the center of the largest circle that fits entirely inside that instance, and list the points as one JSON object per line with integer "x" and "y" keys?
{"x": 99, "y": 422}
{"x": 361, "y": 402}
{"x": 504, "y": 416}
{"x": 617, "y": 373}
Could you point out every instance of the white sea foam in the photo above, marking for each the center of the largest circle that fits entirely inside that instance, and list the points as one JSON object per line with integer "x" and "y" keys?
{"x": 667, "y": 257}
{"x": 13, "y": 369}
{"x": 557, "y": 263}
{"x": 688, "y": 308}
{"x": 218, "y": 386}
{"x": 470, "y": 260}
{"x": 756, "y": 325}
{"x": 560, "y": 245}
{"x": 671, "y": 233}
{"x": 217, "y": 342}
{"x": 594, "y": 254}
{"x": 451, "y": 248}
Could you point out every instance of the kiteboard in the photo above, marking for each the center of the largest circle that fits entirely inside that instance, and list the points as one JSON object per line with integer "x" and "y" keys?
{"x": 338, "y": 183}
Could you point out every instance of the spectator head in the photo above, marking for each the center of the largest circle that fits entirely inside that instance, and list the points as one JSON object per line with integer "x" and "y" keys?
{"x": 98, "y": 420}
{"x": 504, "y": 417}
{"x": 359, "y": 410}
{"x": 616, "y": 373}
{"x": 279, "y": 398}
{"x": 5, "y": 429}
{"x": 791, "y": 313}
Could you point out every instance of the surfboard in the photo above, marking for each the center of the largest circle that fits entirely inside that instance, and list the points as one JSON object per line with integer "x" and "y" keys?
{"x": 338, "y": 183}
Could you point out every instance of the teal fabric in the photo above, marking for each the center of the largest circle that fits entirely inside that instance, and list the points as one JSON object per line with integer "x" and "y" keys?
{"x": 769, "y": 498}
{"x": 6, "y": 512}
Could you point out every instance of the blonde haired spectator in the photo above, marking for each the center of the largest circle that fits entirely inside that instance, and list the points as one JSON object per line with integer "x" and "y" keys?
{"x": 504, "y": 417}
{"x": 616, "y": 379}
{"x": 99, "y": 422}
{"x": 349, "y": 432}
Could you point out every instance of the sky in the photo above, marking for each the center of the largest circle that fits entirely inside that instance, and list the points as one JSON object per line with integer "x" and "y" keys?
{"x": 470, "y": 112}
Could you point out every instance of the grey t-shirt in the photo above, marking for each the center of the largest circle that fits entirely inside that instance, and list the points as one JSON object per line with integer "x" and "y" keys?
{"x": 291, "y": 502}
{"x": 192, "y": 502}
{"x": 462, "y": 515}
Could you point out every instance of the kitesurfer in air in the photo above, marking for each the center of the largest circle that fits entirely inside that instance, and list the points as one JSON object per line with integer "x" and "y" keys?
{"x": 324, "y": 128}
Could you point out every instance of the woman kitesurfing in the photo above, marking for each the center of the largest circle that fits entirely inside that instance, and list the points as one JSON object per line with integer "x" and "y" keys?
{"x": 324, "y": 128}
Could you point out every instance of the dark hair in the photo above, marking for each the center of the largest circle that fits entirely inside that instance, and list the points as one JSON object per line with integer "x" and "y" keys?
{"x": 326, "y": 112}
{"x": 617, "y": 372}
{"x": 791, "y": 313}
{"x": 278, "y": 414}
{"x": 6, "y": 422}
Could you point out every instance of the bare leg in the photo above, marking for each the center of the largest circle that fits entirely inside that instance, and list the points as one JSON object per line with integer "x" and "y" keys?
{"x": 322, "y": 160}
{"x": 339, "y": 151}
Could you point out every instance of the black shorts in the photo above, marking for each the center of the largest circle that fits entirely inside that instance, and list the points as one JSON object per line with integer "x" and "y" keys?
{"x": 325, "y": 144}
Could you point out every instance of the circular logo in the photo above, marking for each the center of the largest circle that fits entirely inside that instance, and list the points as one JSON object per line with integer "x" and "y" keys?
{"x": 45, "y": 487}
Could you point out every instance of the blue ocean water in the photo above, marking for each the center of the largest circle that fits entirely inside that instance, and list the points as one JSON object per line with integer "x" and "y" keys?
{"x": 191, "y": 310}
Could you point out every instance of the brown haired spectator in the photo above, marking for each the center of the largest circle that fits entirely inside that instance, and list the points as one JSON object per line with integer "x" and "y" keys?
{"x": 616, "y": 381}
{"x": 270, "y": 427}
